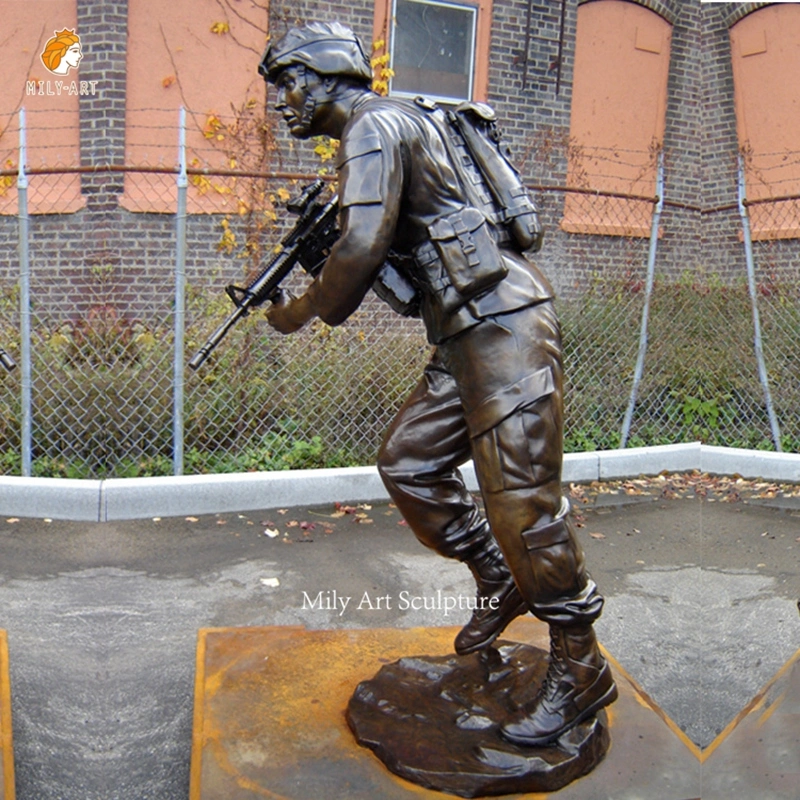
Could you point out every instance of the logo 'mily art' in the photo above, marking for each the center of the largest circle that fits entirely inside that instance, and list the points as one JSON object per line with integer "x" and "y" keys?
{"x": 60, "y": 56}
{"x": 62, "y": 53}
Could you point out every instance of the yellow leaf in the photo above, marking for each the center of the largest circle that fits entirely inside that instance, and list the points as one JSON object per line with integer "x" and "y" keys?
{"x": 146, "y": 339}
{"x": 220, "y": 28}
{"x": 283, "y": 194}
{"x": 168, "y": 81}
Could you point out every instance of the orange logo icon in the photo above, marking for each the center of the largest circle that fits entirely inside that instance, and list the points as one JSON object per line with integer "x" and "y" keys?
{"x": 62, "y": 53}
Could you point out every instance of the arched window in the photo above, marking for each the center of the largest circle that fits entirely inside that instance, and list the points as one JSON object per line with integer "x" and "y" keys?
{"x": 766, "y": 62}
{"x": 196, "y": 54}
{"x": 50, "y": 102}
{"x": 618, "y": 116}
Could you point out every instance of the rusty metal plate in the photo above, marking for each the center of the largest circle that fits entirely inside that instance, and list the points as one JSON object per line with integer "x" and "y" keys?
{"x": 269, "y": 720}
{"x": 6, "y": 746}
{"x": 758, "y": 754}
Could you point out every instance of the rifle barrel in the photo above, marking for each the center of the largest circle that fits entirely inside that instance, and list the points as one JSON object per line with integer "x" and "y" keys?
{"x": 199, "y": 358}
{"x": 6, "y": 360}
{"x": 257, "y": 293}
{"x": 265, "y": 286}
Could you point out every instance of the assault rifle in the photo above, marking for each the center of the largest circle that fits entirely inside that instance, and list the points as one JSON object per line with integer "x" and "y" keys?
{"x": 308, "y": 243}
{"x": 6, "y": 360}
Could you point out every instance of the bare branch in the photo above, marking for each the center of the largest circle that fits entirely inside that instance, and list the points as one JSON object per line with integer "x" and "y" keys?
{"x": 177, "y": 75}
{"x": 230, "y": 31}
{"x": 244, "y": 18}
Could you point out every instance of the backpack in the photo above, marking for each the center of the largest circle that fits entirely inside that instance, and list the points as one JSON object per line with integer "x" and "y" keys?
{"x": 472, "y": 131}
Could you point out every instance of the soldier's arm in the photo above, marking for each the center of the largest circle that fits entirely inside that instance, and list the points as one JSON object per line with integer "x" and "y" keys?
{"x": 370, "y": 188}
{"x": 354, "y": 262}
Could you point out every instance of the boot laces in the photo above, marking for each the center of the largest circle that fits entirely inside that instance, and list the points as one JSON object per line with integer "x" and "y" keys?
{"x": 555, "y": 669}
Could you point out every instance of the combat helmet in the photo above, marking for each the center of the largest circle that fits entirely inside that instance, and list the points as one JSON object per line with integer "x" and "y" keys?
{"x": 328, "y": 48}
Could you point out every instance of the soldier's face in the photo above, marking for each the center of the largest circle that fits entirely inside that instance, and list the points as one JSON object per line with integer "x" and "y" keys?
{"x": 295, "y": 101}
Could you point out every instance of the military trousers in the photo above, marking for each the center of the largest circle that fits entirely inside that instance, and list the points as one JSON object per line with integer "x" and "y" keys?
{"x": 493, "y": 393}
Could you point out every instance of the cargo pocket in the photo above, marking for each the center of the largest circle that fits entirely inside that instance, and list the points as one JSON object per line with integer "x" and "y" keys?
{"x": 520, "y": 452}
{"x": 468, "y": 253}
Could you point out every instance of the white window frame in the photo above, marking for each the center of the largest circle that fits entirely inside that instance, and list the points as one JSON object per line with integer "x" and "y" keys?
{"x": 466, "y": 6}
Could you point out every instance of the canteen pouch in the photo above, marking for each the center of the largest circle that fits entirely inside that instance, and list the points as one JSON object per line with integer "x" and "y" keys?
{"x": 468, "y": 252}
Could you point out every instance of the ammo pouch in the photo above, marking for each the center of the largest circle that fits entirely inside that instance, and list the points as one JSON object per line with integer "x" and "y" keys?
{"x": 461, "y": 260}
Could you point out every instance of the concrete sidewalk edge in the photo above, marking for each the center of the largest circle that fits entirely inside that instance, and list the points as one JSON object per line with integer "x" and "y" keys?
{"x": 140, "y": 498}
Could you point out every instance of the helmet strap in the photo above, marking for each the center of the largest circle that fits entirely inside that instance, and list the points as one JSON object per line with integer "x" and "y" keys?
{"x": 310, "y": 103}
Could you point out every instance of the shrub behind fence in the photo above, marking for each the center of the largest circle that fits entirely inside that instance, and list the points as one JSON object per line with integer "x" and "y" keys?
{"x": 103, "y": 368}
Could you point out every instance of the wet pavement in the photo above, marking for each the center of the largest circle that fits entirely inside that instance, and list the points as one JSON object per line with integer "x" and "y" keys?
{"x": 701, "y": 579}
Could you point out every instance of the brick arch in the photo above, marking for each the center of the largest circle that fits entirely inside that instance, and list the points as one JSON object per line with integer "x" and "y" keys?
{"x": 732, "y": 17}
{"x": 668, "y": 9}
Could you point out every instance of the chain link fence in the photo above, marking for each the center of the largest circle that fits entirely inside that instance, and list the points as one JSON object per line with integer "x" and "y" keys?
{"x": 772, "y": 202}
{"x": 107, "y": 393}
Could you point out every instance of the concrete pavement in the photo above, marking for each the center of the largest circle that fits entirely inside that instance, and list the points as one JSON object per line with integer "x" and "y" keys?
{"x": 102, "y": 618}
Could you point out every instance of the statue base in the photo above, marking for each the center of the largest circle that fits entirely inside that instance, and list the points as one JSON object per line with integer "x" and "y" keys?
{"x": 270, "y": 706}
{"x": 434, "y": 720}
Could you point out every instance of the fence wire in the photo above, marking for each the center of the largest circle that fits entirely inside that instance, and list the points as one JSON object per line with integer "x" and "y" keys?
{"x": 103, "y": 327}
{"x": 777, "y": 291}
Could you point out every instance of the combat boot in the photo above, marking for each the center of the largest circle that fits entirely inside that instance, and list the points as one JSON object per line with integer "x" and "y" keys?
{"x": 577, "y": 685}
{"x": 498, "y": 600}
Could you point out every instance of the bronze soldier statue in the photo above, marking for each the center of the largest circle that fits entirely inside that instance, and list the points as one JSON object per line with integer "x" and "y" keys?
{"x": 493, "y": 388}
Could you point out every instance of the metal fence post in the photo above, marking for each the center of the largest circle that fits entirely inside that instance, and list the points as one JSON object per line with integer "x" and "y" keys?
{"x": 24, "y": 302}
{"x": 751, "y": 288}
{"x": 180, "y": 302}
{"x": 651, "y": 270}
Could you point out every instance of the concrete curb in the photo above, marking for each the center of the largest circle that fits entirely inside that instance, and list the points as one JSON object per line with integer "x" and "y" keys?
{"x": 140, "y": 498}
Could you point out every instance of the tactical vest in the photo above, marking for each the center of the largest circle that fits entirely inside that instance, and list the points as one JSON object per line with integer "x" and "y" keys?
{"x": 461, "y": 259}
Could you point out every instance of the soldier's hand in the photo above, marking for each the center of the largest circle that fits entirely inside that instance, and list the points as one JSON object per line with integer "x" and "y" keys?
{"x": 288, "y": 313}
